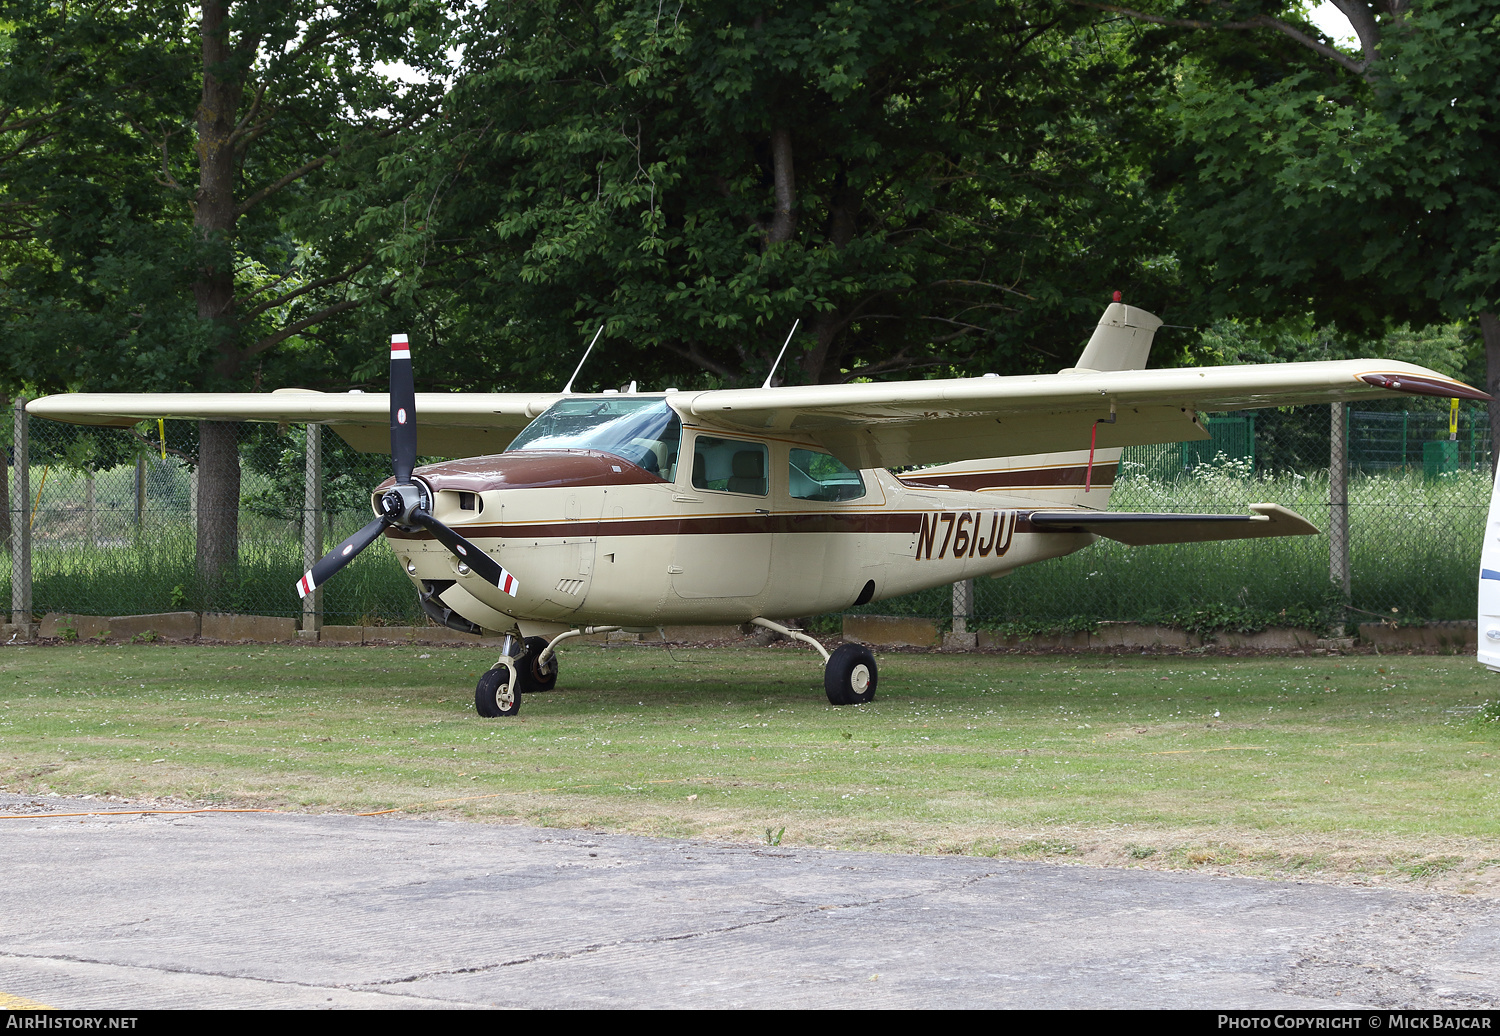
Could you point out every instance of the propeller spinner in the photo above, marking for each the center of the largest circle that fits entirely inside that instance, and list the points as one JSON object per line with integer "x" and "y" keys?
{"x": 406, "y": 504}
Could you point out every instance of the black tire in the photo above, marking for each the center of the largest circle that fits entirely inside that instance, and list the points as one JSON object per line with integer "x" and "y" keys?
{"x": 487, "y": 694}
{"x": 534, "y": 677}
{"x": 850, "y": 676}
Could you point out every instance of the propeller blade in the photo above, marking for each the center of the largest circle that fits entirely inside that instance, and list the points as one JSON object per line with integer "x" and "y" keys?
{"x": 484, "y": 566}
{"x": 403, "y": 411}
{"x": 340, "y": 556}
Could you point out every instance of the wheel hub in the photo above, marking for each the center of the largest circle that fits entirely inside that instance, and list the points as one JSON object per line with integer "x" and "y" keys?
{"x": 860, "y": 678}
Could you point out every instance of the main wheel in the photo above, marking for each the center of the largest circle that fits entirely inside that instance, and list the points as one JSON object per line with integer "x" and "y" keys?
{"x": 536, "y": 677}
{"x": 849, "y": 677}
{"x": 487, "y": 694}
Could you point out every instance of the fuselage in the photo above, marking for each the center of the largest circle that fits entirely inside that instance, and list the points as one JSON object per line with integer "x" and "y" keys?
{"x": 720, "y": 527}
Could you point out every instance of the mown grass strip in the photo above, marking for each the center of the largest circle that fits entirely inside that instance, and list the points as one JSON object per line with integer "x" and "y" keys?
{"x": 1353, "y": 766}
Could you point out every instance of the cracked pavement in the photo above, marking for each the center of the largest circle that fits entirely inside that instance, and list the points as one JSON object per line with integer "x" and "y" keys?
{"x": 290, "y": 910}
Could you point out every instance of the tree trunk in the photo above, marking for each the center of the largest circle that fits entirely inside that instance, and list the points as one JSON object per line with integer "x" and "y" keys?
{"x": 214, "y": 220}
{"x": 218, "y": 500}
{"x": 820, "y": 364}
{"x": 784, "y": 223}
{"x": 1489, "y": 326}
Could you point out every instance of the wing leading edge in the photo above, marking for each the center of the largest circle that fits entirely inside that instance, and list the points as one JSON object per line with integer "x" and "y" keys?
{"x": 449, "y": 424}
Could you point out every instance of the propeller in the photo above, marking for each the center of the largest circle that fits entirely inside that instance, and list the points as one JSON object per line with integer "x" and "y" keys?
{"x": 405, "y": 505}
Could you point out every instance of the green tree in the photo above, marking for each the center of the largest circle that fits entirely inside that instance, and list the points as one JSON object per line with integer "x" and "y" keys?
{"x": 1359, "y": 188}
{"x": 167, "y": 174}
{"x": 923, "y": 186}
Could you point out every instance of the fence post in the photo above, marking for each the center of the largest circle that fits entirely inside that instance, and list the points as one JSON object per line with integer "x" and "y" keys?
{"x": 312, "y": 528}
{"x": 960, "y": 639}
{"x": 20, "y": 529}
{"x": 1338, "y": 500}
{"x": 5, "y": 492}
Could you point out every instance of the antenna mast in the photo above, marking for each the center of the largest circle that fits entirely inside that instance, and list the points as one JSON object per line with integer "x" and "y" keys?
{"x": 569, "y": 386}
{"x": 782, "y": 353}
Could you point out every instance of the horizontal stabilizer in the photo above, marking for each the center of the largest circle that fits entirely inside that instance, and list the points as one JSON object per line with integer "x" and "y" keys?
{"x": 1141, "y": 530}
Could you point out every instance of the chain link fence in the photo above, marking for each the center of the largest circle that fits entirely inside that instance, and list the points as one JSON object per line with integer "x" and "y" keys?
{"x": 112, "y": 518}
{"x": 1417, "y": 497}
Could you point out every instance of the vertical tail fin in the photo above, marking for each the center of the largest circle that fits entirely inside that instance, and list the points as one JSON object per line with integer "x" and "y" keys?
{"x": 1122, "y": 341}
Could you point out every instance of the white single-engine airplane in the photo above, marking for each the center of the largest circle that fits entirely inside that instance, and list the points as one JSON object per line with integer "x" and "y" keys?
{"x": 579, "y": 513}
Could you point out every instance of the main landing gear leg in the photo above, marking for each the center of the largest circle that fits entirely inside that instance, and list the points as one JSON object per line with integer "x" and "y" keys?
{"x": 545, "y": 658}
{"x": 849, "y": 674}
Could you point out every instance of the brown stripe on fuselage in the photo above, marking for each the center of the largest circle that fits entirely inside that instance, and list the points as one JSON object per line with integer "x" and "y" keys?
{"x": 1018, "y": 478}
{"x": 716, "y": 525}
{"x": 720, "y": 525}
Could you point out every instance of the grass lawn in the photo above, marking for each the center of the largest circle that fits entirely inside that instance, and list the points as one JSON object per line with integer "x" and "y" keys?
{"x": 1356, "y": 768}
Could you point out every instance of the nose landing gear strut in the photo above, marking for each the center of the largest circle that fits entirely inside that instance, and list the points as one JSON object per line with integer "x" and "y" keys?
{"x": 526, "y": 665}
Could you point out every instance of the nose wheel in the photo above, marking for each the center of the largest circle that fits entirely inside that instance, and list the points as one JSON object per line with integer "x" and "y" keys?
{"x": 495, "y": 694}
{"x": 499, "y": 691}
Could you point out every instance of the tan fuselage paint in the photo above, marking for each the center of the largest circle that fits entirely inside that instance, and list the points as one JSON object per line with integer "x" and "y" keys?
{"x": 647, "y": 552}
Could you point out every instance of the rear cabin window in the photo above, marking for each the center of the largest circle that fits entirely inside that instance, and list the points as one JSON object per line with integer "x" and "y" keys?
{"x": 729, "y": 465}
{"x": 822, "y": 476}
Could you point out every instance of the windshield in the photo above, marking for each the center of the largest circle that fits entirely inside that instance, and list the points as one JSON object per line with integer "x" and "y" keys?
{"x": 645, "y": 432}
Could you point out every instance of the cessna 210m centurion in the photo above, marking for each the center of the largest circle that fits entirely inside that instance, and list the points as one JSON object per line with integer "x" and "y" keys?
{"x": 584, "y": 512}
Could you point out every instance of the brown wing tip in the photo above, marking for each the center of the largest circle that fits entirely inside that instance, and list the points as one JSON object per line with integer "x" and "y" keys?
{"x": 1419, "y": 385}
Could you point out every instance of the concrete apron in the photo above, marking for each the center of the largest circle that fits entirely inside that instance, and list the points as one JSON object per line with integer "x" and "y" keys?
{"x": 233, "y": 910}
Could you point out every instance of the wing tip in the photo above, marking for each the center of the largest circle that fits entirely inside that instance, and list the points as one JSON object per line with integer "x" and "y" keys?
{"x": 1422, "y": 385}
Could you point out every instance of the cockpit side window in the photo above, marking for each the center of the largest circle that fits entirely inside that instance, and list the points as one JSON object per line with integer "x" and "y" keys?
{"x": 730, "y": 465}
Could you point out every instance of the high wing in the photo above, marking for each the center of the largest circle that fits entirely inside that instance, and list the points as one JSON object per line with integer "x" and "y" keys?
{"x": 888, "y": 424}
{"x": 870, "y": 425}
{"x": 449, "y": 424}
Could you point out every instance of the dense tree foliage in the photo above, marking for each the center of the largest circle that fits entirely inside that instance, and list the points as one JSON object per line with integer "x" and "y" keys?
{"x": 167, "y": 173}
{"x": 923, "y": 186}
{"x": 1359, "y": 188}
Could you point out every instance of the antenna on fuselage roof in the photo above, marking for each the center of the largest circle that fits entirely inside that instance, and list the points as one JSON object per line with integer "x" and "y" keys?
{"x": 782, "y": 353}
{"x": 569, "y": 386}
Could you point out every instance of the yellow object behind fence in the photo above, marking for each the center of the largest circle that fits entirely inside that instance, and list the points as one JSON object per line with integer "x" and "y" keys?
{"x": 31, "y": 523}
